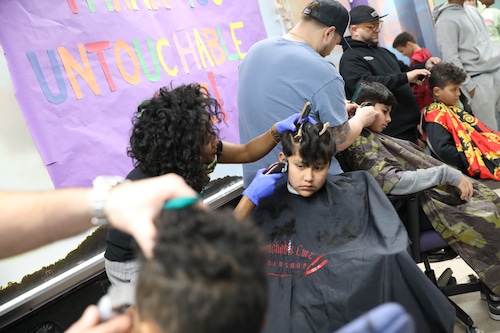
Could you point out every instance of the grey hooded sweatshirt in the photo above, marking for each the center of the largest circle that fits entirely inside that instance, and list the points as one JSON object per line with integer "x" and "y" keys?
{"x": 463, "y": 40}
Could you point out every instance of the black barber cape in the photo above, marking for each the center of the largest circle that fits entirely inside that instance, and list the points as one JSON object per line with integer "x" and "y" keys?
{"x": 338, "y": 254}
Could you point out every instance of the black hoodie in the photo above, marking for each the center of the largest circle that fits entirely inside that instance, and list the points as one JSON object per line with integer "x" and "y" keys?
{"x": 363, "y": 62}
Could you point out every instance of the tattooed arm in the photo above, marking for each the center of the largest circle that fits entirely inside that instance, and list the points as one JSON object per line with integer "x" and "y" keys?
{"x": 346, "y": 133}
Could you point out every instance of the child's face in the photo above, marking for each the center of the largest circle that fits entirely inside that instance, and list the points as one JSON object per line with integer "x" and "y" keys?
{"x": 382, "y": 119}
{"x": 449, "y": 95}
{"x": 209, "y": 148}
{"x": 406, "y": 50}
{"x": 305, "y": 179}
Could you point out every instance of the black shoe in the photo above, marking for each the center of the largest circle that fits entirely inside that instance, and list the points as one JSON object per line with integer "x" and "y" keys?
{"x": 493, "y": 307}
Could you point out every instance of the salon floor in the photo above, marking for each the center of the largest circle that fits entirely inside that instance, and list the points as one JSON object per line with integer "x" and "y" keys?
{"x": 471, "y": 303}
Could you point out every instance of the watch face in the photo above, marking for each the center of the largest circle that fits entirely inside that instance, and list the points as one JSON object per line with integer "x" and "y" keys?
{"x": 99, "y": 194}
{"x": 107, "y": 180}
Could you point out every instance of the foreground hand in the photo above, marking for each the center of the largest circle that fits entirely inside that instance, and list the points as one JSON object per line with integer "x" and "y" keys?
{"x": 465, "y": 188}
{"x": 89, "y": 323}
{"x": 133, "y": 206}
{"x": 261, "y": 186}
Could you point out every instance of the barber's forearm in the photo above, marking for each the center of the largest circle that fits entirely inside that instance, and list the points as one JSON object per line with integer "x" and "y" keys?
{"x": 33, "y": 219}
{"x": 244, "y": 209}
{"x": 346, "y": 134}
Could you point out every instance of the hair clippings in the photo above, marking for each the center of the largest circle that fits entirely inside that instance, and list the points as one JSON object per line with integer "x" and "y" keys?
{"x": 325, "y": 127}
{"x": 181, "y": 202}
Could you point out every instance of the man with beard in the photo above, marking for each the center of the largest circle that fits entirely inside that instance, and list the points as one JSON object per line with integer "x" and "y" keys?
{"x": 366, "y": 61}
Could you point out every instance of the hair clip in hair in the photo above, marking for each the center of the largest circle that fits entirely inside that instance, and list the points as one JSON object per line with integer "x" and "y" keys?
{"x": 298, "y": 136}
{"x": 304, "y": 113}
{"x": 325, "y": 127}
{"x": 138, "y": 114}
{"x": 181, "y": 202}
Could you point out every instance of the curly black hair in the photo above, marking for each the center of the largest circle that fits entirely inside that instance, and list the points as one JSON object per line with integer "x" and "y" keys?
{"x": 312, "y": 146}
{"x": 207, "y": 274}
{"x": 445, "y": 73}
{"x": 169, "y": 131}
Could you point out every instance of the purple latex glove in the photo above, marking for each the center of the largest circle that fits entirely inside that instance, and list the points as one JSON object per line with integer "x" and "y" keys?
{"x": 261, "y": 186}
{"x": 288, "y": 124}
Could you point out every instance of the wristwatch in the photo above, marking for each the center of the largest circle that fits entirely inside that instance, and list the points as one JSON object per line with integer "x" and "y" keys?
{"x": 102, "y": 185}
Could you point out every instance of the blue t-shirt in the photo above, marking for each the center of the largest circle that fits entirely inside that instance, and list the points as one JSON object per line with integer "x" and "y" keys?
{"x": 276, "y": 78}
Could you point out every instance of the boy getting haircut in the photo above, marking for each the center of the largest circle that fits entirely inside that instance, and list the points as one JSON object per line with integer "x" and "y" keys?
{"x": 207, "y": 275}
{"x": 454, "y": 135}
{"x": 321, "y": 230}
{"x": 462, "y": 210}
{"x": 445, "y": 74}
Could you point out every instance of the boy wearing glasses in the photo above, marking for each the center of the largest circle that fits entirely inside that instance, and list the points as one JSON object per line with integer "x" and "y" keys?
{"x": 366, "y": 61}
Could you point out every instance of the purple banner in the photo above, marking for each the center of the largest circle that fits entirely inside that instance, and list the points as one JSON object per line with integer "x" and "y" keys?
{"x": 81, "y": 67}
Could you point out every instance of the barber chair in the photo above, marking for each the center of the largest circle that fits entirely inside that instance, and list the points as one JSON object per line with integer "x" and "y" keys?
{"x": 424, "y": 244}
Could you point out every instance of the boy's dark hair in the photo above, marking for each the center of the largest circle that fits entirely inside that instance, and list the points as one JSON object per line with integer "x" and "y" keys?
{"x": 169, "y": 130}
{"x": 312, "y": 146}
{"x": 375, "y": 92}
{"x": 207, "y": 274}
{"x": 445, "y": 73}
{"x": 402, "y": 39}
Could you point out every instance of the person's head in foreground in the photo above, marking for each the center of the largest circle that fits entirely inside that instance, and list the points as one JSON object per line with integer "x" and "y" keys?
{"x": 308, "y": 152}
{"x": 445, "y": 82}
{"x": 207, "y": 275}
{"x": 382, "y": 100}
{"x": 175, "y": 132}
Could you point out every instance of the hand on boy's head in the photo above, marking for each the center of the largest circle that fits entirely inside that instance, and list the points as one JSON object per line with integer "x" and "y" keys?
{"x": 367, "y": 114}
{"x": 466, "y": 189}
{"x": 431, "y": 62}
{"x": 133, "y": 206}
{"x": 413, "y": 76}
{"x": 288, "y": 124}
{"x": 89, "y": 323}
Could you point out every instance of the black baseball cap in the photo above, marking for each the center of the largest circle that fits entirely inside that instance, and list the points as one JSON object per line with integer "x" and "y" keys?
{"x": 331, "y": 13}
{"x": 364, "y": 14}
